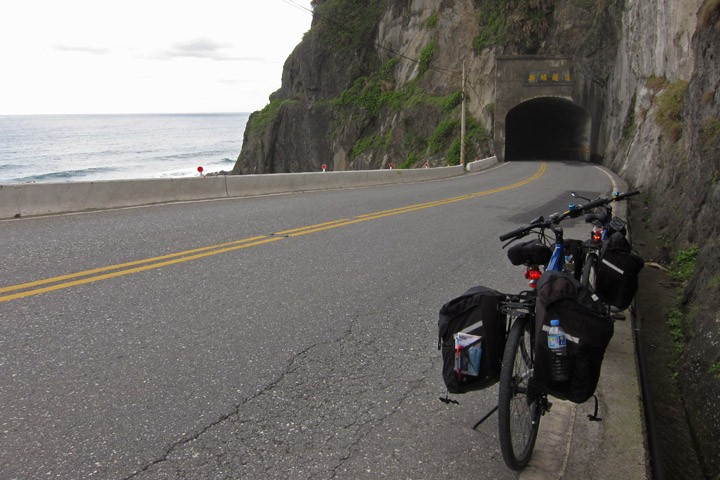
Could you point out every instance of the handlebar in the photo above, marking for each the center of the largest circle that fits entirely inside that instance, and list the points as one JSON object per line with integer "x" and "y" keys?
{"x": 522, "y": 231}
{"x": 573, "y": 212}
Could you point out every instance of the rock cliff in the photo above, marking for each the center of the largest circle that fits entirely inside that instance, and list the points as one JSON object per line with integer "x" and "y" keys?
{"x": 376, "y": 82}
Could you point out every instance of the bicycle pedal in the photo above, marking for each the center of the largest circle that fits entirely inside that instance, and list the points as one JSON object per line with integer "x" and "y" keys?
{"x": 618, "y": 316}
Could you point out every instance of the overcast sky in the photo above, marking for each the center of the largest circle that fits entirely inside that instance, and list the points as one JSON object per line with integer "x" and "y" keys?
{"x": 145, "y": 56}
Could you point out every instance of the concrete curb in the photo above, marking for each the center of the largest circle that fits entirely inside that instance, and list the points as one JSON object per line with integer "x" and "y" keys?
{"x": 50, "y": 198}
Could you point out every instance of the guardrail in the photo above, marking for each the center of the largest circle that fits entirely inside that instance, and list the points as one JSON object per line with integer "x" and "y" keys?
{"x": 50, "y": 198}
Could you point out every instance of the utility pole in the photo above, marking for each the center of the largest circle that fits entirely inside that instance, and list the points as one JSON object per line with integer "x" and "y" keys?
{"x": 462, "y": 120}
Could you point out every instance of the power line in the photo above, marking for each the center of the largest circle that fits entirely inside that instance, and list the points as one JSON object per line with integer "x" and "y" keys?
{"x": 298, "y": 6}
{"x": 452, "y": 73}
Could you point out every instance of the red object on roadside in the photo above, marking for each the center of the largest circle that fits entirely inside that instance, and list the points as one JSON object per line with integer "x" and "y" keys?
{"x": 200, "y": 169}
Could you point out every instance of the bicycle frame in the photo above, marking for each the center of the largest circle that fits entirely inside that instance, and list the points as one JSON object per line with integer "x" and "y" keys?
{"x": 557, "y": 260}
{"x": 557, "y": 257}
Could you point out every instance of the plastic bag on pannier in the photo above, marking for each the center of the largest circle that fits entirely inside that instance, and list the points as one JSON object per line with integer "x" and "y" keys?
{"x": 532, "y": 252}
{"x": 471, "y": 334}
{"x": 617, "y": 273}
{"x": 587, "y": 331}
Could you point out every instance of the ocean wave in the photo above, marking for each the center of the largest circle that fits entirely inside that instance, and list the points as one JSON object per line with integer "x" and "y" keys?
{"x": 199, "y": 155}
{"x": 65, "y": 175}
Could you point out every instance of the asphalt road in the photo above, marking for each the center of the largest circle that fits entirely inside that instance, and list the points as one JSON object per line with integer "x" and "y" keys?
{"x": 228, "y": 339}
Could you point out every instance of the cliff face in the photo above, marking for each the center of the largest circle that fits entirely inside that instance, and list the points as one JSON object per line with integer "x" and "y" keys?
{"x": 377, "y": 82}
{"x": 663, "y": 134}
{"x": 354, "y": 96}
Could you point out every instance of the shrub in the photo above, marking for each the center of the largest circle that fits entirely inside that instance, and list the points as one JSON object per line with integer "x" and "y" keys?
{"x": 683, "y": 266}
{"x": 426, "y": 55}
{"x": 715, "y": 369}
{"x": 475, "y": 137}
{"x": 681, "y": 270}
{"x": 442, "y": 135}
{"x": 451, "y": 101}
{"x": 370, "y": 142}
{"x": 347, "y": 25}
{"x": 262, "y": 119}
{"x": 669, "y": 110}
{"x": 521, "y": 23}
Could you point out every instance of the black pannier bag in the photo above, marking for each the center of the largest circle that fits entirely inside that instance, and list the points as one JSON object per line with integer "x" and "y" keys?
{"x": 616, "y": 279}
{"x": 587, "y": 331}
{"x": 476, "y": 312}
{"x": 532, "y": 252}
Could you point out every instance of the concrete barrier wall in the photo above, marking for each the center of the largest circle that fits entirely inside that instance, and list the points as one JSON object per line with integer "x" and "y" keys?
{"x": 481, "y": 164}
{"x": 48, "y": 198}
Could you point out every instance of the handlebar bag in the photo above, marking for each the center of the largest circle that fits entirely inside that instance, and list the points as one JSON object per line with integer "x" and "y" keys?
{"x": 587, "y": 332}
{"x": 476, "y": 312}
{"x": 617, "y": 273}
{"x": 532, "y": 252}
{"x": 617, "y": 224}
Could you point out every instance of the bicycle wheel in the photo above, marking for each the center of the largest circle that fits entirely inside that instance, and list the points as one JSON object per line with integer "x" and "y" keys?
{"x": 518, "y": 406}
{"x": 590, "y": 271}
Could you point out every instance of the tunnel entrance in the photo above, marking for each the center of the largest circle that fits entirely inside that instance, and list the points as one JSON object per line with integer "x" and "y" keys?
{"x": 547, "y": 128}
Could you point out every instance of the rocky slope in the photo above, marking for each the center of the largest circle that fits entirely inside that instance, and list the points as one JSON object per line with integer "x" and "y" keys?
{"x": 376, "y": 82}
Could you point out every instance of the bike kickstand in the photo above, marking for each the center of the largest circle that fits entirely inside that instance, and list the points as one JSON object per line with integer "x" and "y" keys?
{"x": 489, "y": 414}
{"x": 594, "y": 417}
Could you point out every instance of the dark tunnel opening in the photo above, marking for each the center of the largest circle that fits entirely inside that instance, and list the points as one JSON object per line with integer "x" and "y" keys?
{"x": 547, "y": 128}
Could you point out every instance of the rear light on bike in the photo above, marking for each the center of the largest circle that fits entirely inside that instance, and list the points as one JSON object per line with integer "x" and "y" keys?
{"x": 597, "y": 234}
{"x": 533, "y": 274}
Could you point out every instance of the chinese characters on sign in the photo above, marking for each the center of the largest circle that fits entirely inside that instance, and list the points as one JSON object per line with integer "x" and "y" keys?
{"x": 549, "y": 77}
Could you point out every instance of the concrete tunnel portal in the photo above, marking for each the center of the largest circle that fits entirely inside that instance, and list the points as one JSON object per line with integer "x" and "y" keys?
{"x": 547, "y": 128}
{"x": 545, "y": 109}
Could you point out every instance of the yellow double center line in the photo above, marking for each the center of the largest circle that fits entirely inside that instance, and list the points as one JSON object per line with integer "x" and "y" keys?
{"x": 103, "y": 273}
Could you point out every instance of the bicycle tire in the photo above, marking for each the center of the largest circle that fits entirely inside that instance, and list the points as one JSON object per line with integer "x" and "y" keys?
{"x": 518, "y": 406}
{"x": 589, "y": 273}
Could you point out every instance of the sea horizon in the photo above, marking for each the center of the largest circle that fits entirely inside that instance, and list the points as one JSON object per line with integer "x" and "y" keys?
{"x": 46, "y": 114}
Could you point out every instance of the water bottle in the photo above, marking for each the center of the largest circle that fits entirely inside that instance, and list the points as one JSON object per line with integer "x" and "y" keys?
{"x": 558, "y": 352}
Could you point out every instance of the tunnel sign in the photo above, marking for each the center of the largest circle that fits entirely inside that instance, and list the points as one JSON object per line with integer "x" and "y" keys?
{"x": 549, "y": 77}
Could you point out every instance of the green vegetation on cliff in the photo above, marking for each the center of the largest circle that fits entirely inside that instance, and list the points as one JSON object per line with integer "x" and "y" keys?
{"x": 262, "y": 119}
{"x": 518, "y": 23}
{"x": 678, "y": 318}
{"x": 669, "y": 112}
{"x": 376, "y": 95}
{"x": 347, "y": 25}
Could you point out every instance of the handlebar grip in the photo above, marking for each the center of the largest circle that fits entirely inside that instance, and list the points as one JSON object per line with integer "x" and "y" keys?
{"x": 595, "y": 203}
{"x": 627, "y": 194}
{"x": 515, "y": 233}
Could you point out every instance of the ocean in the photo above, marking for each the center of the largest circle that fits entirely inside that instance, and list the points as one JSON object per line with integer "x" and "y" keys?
{"x": 72, "y": 148}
